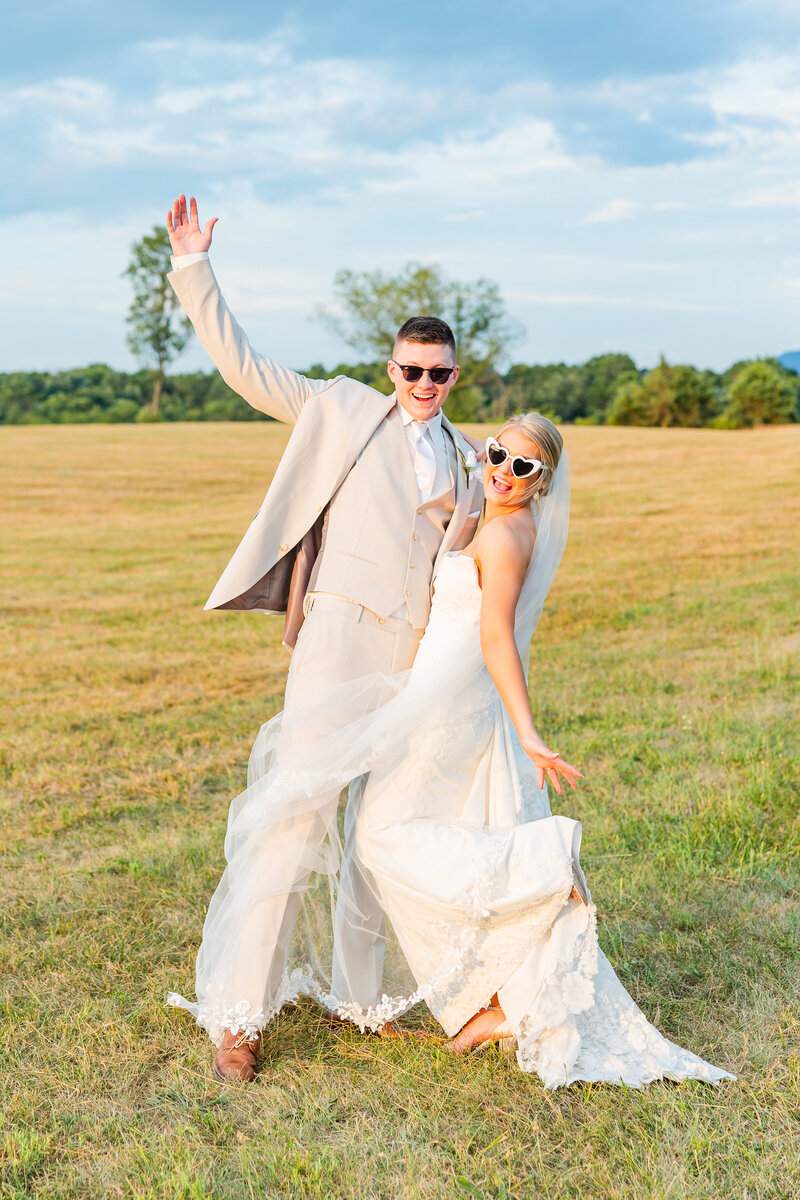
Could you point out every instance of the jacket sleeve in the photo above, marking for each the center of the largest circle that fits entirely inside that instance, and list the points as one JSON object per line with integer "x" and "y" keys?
{"x": 264, "y": 384}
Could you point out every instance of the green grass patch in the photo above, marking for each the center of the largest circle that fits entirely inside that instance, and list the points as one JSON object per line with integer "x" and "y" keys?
{"x": 666, "y": 667}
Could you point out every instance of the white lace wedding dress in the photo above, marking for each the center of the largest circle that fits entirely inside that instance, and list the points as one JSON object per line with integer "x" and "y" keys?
{"x": 458, "y": 844}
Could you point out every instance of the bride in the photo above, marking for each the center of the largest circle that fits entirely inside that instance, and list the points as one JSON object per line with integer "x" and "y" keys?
{"x": 488, "y": 917}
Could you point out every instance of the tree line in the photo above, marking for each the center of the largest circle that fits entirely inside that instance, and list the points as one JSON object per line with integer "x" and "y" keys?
{"x": 368, "y": 308}
{"x": 607, "y": 389}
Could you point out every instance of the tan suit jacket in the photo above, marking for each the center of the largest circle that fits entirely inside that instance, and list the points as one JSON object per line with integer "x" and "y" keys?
{"x": 340, "y": 427}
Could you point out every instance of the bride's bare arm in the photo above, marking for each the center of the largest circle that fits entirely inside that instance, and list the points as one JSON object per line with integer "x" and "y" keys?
{"x": 504, "y": 555}
{"x": 503, "y": 564}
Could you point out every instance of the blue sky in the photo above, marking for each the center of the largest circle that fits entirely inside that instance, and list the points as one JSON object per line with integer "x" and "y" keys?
{"x": 627, "y": 173}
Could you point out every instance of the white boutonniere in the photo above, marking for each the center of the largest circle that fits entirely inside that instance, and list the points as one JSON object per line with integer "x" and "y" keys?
{"x": 469, "y": 462}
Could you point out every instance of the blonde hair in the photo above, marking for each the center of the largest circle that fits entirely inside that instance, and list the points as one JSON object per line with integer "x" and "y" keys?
{"x": 543, "y": 433}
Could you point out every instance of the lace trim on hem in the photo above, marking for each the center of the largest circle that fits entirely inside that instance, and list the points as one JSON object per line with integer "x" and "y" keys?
{"x": 576, "y": 1031}
{"x": 219, "y": 1018}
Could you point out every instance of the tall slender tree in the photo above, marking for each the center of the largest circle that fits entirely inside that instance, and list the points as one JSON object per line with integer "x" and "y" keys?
{"x": 158, "y": 329}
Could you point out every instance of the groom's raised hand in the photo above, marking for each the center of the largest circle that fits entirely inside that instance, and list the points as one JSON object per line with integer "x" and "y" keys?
{"x": 185, "y": 234}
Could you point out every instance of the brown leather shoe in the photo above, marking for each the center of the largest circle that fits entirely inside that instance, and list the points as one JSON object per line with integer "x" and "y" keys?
{"x": 392, "y": 1030}
{"x": 236, "y": 1058}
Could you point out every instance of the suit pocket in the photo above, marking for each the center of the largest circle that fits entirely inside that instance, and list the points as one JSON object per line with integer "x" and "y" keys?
{"x": 360, "y": 557}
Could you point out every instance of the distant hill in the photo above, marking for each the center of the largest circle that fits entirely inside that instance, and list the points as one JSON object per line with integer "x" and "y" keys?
{"x": 790, "y": 360}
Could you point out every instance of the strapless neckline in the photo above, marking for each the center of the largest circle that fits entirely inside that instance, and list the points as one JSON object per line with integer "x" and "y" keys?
{"x": 461, "y": 554}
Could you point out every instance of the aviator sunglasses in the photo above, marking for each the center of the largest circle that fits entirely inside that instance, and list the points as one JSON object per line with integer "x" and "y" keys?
{"x": 437, "y": 374}
{"x": 520, "y": 467}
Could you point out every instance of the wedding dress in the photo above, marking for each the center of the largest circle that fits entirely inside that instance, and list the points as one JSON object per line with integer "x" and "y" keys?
{"x": 458, "y": 844}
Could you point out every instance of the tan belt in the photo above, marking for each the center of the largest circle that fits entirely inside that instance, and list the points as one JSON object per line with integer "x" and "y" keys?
{"x": 325, "y": 602}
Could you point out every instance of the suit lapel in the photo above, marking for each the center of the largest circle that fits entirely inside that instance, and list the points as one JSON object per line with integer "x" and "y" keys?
{"x": 461, "y": 510}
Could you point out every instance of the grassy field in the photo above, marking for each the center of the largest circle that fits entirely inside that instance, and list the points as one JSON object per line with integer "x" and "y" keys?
{"x": 666, "y": 666}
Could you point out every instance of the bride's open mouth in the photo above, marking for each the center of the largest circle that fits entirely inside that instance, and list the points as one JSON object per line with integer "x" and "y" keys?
{"x": 500, "y": 485}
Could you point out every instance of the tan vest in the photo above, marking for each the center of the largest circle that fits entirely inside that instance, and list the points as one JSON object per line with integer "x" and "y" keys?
{"x": 379, "y": 541}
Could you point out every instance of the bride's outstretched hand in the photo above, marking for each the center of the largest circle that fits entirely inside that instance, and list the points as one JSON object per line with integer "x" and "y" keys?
{"x": 550, "y": 764}
{"x": 183, "y": 227}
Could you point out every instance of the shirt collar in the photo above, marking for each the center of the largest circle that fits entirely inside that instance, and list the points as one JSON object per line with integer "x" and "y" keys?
{"x": 434, "y": 424}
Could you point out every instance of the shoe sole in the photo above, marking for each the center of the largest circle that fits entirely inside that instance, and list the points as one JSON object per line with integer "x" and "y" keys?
{"x": 227, "y": 1078}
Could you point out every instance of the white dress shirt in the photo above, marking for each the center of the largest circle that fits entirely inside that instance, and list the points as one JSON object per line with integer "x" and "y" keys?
{"x": 186, "y": 260}
{"x": 443, "y": 478}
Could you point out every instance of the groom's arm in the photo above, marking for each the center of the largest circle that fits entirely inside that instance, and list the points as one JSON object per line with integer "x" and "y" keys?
{"x": 264, "y": 384}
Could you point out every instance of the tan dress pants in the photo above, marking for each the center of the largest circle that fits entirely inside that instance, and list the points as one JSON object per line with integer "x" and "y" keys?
{"x": 339, "y": 641}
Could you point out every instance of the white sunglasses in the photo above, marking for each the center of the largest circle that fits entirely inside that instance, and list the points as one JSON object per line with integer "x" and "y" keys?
{"x": 520, "y": 467}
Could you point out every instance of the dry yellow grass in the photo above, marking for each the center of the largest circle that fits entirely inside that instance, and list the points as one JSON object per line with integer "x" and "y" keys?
{"x": 666, "y": 666}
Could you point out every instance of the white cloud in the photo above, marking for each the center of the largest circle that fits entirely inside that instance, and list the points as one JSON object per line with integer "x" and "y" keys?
{"x": 756, "y": 103}
{"x": 114, "y": 145}
{"x": 67, "y": 93}
{"x": 767, "y": 87}
{"x": 320, "y": 163}
{"x": 593, "y": 300}
{"x": 336, "y": 115}
{"x": 785, "y": 194}
{"x": 186, "y": 53}
{"x": 519, "y": 158}
{"x": 179, "y": 101}
{"x": 475, "y": 215}
{"x": 614, "y": 210}
{"x": 71, "y": 94}
{"x": 287, "y": 96}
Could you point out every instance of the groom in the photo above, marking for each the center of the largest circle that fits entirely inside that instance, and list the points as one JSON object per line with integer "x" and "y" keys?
{"x": 369, "y": 495}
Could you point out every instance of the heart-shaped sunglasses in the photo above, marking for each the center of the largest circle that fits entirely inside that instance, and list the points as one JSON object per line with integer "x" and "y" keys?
{"x": 520, "y": 467}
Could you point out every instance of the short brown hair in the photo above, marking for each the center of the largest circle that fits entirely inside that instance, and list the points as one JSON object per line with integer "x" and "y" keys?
{"x": 427, "y": 330}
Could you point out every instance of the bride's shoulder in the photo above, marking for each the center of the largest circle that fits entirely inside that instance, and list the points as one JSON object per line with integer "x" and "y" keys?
{"x": 506, "y": 540}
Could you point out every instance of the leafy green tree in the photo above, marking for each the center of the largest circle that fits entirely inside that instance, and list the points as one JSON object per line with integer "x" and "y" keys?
{"x": 553, "y": 388}
{"x": 371, "y": 307}
{"x": 19, "y": 394}
{"x": 630, "y": 406}
{"x": 600, "y": 379}
{"x": 678, "y": 396}
{"x": 158, "y": 330}
{"x": 560, "y": 393}
{"x": 122, "y": 411}
{"x": 760, "y": 394}
{"x": 372, "y": 373}
{"x": 567, "y": 393}
{"x": 667, "y": 396}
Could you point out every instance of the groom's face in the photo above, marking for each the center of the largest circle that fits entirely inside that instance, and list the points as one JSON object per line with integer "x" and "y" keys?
{"x": 424, "y": 398}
